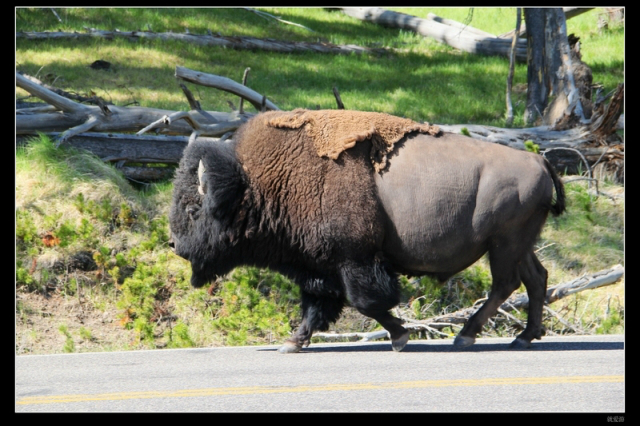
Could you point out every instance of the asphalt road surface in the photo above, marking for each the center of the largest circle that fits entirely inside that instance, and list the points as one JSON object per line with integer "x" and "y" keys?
{"x": 577, "y": 374}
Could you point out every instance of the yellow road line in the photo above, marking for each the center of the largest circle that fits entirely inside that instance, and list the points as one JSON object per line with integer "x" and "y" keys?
{"x": 61, "y": 399}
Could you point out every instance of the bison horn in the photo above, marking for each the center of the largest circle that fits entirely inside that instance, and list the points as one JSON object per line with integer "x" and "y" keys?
{"x": 201, "y": 170}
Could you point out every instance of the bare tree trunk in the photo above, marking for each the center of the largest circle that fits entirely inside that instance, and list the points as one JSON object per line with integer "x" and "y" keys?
{"x": 536, "y": 91}
{"x": 512, "y": 60}
{"x": 550, "y": 70}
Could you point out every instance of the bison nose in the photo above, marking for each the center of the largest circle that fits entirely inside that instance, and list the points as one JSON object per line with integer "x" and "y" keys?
{"x": 172, "y": 245}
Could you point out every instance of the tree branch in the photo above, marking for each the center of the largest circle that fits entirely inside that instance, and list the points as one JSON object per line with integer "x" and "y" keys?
{"x": 268, "y": 15}
{"x": 223, "y": 83}
{"x": 48, "y": 96}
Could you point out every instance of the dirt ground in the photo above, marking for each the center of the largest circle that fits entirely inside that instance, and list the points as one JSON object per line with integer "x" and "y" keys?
{"x": 39, "y": 318}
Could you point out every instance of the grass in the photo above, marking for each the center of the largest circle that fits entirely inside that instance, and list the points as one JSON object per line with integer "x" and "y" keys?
{"x": 420, "y": 82}
{"x": 68, "y": 202}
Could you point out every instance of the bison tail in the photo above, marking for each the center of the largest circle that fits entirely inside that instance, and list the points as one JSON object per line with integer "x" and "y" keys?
{"x": 559, "y": 206}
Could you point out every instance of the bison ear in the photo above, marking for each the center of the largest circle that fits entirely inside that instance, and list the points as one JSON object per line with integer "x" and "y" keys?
{"x": 192, "y": 210}
{"x": 202, "y": 187}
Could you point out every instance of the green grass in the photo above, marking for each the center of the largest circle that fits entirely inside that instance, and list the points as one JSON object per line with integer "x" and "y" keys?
{"x": 85, "y": 205}
{"x": 421, "y": 82}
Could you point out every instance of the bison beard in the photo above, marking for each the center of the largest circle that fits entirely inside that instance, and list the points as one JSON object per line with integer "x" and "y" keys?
{"x": 341, "y": 230}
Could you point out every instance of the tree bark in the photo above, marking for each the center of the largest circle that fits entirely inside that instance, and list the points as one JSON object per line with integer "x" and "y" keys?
{"x": 537, "y": 93}
{"x": 550, "y": 69}
{"x": 512, "y": 61}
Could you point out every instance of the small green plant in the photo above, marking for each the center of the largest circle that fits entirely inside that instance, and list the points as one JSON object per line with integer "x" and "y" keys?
{"x": 126, "y": 216}
{"x": 114, "y": 273}
{"x": 66, "y": 233}
{"x": 85, "y": 333}
{"x": 69, "y": 345}
{"x": 530, "y": 146}
{"x": 70, "y": 287}
{"x": 102, "y": 257}
{"x": 79, "y": 202}
{"x": 477, "y": 281}
{"x": 24, "y": 277}
{"x": 139, "y": 298}
{"x": 612, "y": 324}
{"x": 179, "y": 336}
{"x": 465, "y": 131}
{"x": 158, "y": 234}
{"x": 87, "y": 233}
{"x": 25, "y": 227}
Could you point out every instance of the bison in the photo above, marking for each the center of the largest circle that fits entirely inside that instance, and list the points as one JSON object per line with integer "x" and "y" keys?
{"x": 343, "y": 230}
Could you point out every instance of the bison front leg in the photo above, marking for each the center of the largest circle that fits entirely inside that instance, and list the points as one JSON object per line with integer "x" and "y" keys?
{"x": 373, "y": 290}
{"x": 317, "y": 314}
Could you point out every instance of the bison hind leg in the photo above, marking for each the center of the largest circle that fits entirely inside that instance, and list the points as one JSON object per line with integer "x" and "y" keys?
{"x": 506, "y": 279}
{"x": 534, "y": 278}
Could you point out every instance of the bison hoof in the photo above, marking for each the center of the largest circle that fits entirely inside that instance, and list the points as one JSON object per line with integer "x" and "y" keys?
{"x": 289, "y": 348}
{"x": 463, "y": 341}
{"x": 520, "y": 344}
{"x": 399, "y": 343}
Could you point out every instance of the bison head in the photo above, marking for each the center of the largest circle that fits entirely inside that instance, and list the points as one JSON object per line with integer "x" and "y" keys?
{"x": 208, "y": 190}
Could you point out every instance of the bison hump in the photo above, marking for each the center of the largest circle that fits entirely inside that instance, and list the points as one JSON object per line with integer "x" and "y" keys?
{"x": 334, "y": 131}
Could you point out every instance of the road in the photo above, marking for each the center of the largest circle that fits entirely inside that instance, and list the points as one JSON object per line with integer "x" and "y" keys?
{"x": 558, "y": 374}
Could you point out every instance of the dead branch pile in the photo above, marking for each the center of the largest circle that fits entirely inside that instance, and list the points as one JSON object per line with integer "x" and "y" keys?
{"x": 570, "y": 150}
{"x": 433, "y": 327}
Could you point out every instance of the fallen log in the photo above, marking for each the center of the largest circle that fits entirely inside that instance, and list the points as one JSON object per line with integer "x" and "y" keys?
{"x": 232, "y": 42}
{"x": 126, "y": 148}
{"x": 141, "y": 158}
{"x": 454, "y": 36}
{"x": 597, "y": 141}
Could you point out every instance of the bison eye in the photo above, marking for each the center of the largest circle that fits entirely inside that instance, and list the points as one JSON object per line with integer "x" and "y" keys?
{"x": 192, "y": 210}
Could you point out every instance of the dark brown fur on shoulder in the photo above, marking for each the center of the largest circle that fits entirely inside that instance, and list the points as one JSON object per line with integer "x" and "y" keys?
{"x": 292, "y": 186}
{"x": 334, "y": 131}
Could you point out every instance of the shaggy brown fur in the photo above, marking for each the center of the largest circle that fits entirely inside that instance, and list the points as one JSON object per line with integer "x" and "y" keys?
{"x": 293, "y": 187}
{"x": 334, "y": 131}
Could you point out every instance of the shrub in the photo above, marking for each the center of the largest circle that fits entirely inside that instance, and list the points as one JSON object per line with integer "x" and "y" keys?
{"x": 257, "y": 305}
